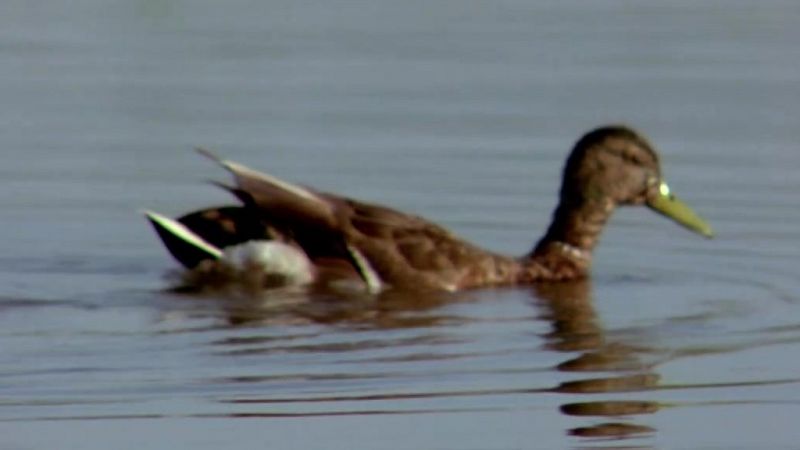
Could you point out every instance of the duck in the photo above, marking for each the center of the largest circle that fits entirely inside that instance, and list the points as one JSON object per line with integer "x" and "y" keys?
{"x": 293, "y": 234}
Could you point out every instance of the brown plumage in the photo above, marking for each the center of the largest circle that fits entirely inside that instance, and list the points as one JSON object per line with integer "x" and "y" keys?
{"x": 344, "y": 238}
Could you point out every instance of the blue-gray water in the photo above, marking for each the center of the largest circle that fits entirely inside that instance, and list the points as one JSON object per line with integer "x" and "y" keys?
{"x": 461, "y": 111}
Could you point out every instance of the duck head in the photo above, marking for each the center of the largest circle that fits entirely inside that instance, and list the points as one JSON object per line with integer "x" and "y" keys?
{"x": 613, "y": 166}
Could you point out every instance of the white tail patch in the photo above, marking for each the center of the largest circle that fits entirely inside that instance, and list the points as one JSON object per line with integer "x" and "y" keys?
{"x": 271, "y": 258}
{"x": 180, "y": 231}
{"x": 371, "y": 278}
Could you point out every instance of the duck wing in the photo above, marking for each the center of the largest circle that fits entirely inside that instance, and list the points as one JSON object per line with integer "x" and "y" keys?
{"x": 383, "y": 245}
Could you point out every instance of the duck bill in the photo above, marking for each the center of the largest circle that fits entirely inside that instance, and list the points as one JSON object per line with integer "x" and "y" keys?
{"x": 665, "y": 202}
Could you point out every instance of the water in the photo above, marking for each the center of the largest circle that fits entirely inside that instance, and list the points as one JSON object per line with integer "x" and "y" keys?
{"x": 459, "y": 111}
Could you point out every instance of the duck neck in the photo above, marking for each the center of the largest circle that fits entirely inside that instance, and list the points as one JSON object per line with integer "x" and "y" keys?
{"x": 565, "y": 251}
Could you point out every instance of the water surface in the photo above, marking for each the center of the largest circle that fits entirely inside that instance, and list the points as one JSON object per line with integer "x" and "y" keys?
{"x": 459, "y": 111}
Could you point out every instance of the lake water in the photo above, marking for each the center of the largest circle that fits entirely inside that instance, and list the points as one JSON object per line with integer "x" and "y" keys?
{"x": 461, "y": 111}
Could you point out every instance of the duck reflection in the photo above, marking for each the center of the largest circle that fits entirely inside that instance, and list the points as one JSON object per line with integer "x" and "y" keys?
{"x": 569, "y": 309}
{"x": 239, "y": 306}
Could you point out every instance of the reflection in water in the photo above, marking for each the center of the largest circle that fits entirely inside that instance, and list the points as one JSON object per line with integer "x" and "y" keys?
{"x": 387, "y": 310}
{"x": 313, "y": 354}
{"x": 569, "y": 308}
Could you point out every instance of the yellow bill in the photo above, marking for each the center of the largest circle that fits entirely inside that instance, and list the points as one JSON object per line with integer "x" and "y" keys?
{"x": 667, "y": 204}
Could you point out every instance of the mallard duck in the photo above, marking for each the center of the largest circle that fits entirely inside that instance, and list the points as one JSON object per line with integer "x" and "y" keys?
{"x": 296, "y": 234}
